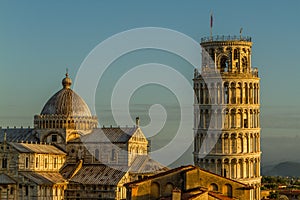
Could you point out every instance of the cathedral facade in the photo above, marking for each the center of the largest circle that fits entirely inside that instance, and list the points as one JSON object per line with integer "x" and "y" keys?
{"x": 66, "y": 156}
{"x": 226, "y": 111}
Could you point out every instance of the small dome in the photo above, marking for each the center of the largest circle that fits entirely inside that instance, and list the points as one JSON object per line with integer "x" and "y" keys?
{"x": 66, "y": 102}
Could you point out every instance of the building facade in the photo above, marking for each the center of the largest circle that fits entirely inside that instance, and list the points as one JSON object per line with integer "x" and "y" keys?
{"x": 188, "y": 182}
{"x": 67, "y": 156}
{"x": 226, "y": 111}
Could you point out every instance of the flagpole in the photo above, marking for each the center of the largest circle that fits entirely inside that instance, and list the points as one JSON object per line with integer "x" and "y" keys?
{"x": 211, "y": 24}
{"x": 241, "y": 30}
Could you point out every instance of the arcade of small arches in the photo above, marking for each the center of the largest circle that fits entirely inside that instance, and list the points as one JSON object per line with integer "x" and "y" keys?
{"x": 158, "y": 190}
{"x": 62, "y": 121}
{"x": 228, "y": 92}
{"x": 138, "y": 149}
{"x": 229, "y": 59}
{"x": 227, "y": 118}
{"x": 227, "y": 143}
{"x": 226, "y": 189}
{"x": 235, "y": 168}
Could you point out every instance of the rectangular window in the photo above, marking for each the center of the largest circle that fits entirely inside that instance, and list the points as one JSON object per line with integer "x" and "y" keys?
{"x": 4, "y": 162}
{"x": 26, "y": 162}
{"x": 12, "y": 190}
{"x": 36, "y": 162}
{"x": 55, "y": 162}
{"x": 54, "y": 138}
{"x": 46, "y": 162}
{"x": 113, "y": 155}
{"x": 26, "y": 190}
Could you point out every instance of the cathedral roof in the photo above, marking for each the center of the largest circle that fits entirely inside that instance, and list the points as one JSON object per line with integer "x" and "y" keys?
{"x": 36, "y": 148}
{"x": 99, "y": 174}
{"x": 18, "y": 135}
{"x": 113, "y": 134}
{"x": 66, "y": 102}
{"x": 44, "y": 178}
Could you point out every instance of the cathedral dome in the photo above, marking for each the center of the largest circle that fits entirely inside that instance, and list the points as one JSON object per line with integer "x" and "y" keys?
{"x": 66, "y": 102}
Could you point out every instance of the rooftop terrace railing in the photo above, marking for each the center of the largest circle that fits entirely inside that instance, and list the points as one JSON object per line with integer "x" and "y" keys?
{"x": 226, "y": 38}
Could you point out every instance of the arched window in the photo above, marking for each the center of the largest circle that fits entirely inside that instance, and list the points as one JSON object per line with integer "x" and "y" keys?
{"x": 244, "y": 64}
{"x": 240, "y": 144}
{"x": 233, "y": 143}
{"x": 239, "y": 93}
{"x": 227, "y": 190}
{"x": 233, "y": 170}
{"x": 226, "y": 168}
{"x": 155, "y": 190}
{"x": 206, "y": 118}
{"x": 232, "y": 93}
{"x": 213, "y": 187}
{"x": 245, "y": 117}
{"x": 96, "y": 154}
{"x": 114, "y": 154}
{"x": 235, "y": 54}
{"x": 226, "y": 93}
{"x": 226, "y": 143}
{"x": 232, "y": 118}
{"x": 168, "y": 189}
{"x": 224, "y": 64}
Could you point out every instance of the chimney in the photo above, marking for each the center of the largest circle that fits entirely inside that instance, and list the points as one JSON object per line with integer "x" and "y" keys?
{"x": 137, "y": 121}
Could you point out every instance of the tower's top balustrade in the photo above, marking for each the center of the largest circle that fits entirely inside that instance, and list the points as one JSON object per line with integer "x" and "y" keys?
{"x": 222, "y": 38}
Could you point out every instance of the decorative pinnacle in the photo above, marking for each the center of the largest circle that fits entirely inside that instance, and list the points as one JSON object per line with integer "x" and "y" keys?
{"x": 4, "y": 137}
{"x": 67, "y": 82}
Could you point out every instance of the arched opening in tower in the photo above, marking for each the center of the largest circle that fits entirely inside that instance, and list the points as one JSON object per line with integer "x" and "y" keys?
{"x": 224, "y": 64}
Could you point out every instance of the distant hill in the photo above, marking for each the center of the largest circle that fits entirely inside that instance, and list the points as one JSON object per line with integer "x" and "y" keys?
{"x": 282, "y": 169}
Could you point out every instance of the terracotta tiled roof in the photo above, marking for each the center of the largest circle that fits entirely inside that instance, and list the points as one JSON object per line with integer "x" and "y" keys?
{"x": 36, "y": 148}
{"x": 98, "y": 174}
{"x": 44, "y": 178}
{"x": 189, "y": 195}
{"x": 175, "y": 170}
{"x": 18, "y": 135}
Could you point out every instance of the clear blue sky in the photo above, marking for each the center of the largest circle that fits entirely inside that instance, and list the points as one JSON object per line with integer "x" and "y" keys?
{"x": 39, "y": 39}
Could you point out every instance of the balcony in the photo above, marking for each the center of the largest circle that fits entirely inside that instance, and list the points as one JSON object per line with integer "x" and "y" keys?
{"x": 226, "y": 38}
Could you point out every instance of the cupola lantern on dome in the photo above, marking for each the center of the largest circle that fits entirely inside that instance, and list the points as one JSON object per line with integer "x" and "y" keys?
{"x": 67, "y": 82}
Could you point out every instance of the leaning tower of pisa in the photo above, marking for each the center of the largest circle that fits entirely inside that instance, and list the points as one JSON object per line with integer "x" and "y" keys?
{"x": 226, "y": 111}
